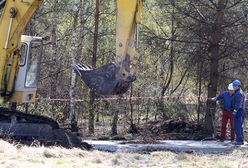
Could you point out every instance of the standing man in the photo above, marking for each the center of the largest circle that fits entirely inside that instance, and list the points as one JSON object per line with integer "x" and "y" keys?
{"x": 227, "y": 109}
{"x": 238, "y": 112}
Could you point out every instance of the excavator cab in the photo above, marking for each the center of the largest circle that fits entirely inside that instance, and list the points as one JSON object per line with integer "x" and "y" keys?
{"x": 29, "y": 66}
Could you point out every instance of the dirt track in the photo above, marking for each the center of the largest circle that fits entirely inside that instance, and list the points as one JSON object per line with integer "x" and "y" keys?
{"x": 167, "y": 145}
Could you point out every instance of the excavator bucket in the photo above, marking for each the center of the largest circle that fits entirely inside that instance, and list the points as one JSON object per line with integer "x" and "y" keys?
{"x": 106, "y": 80}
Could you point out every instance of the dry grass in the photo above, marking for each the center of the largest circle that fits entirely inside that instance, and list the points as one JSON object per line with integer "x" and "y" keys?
{"x": 18, "y": 156}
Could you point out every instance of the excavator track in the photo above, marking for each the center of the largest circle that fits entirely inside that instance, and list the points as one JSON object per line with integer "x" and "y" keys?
{"x": 6, "y": 113}
{"x": 26, "y": 128}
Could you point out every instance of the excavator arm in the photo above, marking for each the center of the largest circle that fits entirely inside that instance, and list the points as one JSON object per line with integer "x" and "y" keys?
{"x": 116, "y": 77}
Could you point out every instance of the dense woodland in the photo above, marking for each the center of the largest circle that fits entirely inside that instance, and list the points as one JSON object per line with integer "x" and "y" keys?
{"x": 190, "y": 50}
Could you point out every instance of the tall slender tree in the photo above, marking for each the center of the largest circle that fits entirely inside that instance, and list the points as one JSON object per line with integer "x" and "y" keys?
{"x": 73, "y": 114}
{"x": 214, "y": 51}
{"x": 93, "y": 63}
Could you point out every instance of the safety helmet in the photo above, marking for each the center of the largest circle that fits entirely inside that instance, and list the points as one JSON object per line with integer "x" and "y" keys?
{"x": 236, "y": 83}
{"x": 230, "y": 86}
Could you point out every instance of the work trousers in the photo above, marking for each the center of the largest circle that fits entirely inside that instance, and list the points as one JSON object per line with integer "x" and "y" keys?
{"x": 238, "y": 121}
{"x": 227, "y": 115}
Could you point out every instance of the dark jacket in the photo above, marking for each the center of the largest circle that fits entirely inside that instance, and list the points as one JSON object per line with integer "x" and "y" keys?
{"x": 238, "y": 102}
{"x": 227, "y": 100}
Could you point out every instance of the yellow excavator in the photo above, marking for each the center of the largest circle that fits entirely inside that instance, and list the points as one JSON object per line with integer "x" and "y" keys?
{"x": 20, "y": 58}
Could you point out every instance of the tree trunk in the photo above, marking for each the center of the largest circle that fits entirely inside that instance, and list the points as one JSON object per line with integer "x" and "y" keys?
{"x": 97, "y": 117}
{"x": 199, "y": 83}
{"x": 199, "y": 95}
{"x": 54, "y": 63}
{"x": 91, "y": 125}
{"x": 138, "y": 111}
{"x": 147, "y": 110}
{"x": 93, "y": 63}
{"x": 131, "y": 105}
{"x": 214, "y": 65}
{"x": 114, "y": 123}
{"x": 81, "y": 27}
{"x": 73, "y": 115}
{"x": 161, "y": 107}
{"x": 26, "y": 107}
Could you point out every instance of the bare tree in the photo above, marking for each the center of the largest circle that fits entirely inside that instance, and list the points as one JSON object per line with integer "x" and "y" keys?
{"x": 54, "y": 53}
{"x": 93, "y": 63}
{"x": 73, "y": 117}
